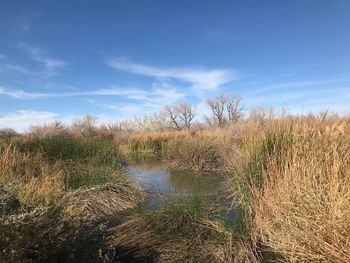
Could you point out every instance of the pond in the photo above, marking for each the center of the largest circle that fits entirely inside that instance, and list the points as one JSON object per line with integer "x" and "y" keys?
{"x": 167, "y": 186}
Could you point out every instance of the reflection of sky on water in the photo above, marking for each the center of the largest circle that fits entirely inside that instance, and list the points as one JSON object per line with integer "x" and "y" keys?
{"x": 174, "y": 187}
{"x": 160, "y": 179}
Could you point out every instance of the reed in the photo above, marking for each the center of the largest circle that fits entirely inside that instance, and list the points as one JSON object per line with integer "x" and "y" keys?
{"x": 196, "y": 154}
{"x": 153, "y": 141}
{"x": 182, "y": 233}
{"x": 294, "y": 183}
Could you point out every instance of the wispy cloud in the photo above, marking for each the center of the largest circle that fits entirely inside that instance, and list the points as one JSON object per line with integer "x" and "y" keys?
{"x": 23, "y": 22}
{"x": 295, "y": 84}
{"x": 51, "y": 65}
{"x": 9, "y": 67}
{"x": 159, "y": 94}
{"x": 124, "y": 107}
{"x": 22, "y": 119}
{"x": 20, "y": 94}
{"x": 201, "y": 79}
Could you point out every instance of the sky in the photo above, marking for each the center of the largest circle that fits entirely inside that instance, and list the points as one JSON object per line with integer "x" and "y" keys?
{"x": 60, "y": 60}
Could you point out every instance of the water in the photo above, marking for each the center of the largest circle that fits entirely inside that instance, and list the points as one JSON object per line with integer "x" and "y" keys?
{"x": 168, "y": 186}
{"x": 158, "y": 178}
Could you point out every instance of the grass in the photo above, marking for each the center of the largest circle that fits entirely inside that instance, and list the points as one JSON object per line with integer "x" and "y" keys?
{"x": 196, "y": 154}
{"x": 54, "y": 193}
{"x": 202, "y": 152}
{"x": 290, "y": 179}
{"x": 179, "y": 233}
{"x": 154, "y": 142}
{"x": 294, "y": 183}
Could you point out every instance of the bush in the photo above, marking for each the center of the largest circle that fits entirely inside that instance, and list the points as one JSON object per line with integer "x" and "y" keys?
{"x": 8, "y": 133}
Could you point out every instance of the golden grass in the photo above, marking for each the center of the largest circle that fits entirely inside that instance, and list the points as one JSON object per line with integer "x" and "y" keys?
{"x": 177, "y": 236}
{"x": 45, "y": 190}
{"x": 103, "y": 201}
{"x": 196, "y": 154}
{"x": 153, "y": 141}
{"x": 295, "y": 185}
{"x": 42, "y": 218}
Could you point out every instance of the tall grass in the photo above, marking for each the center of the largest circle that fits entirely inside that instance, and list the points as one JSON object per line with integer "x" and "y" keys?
{"x": 53, "y": 193}
{"x": 202, "y": 152}
{"x": 153, "y": 141}
{"x": 196, "y": 154}
{"x": 181, "y": 233}
{"x": 294, "y": 183}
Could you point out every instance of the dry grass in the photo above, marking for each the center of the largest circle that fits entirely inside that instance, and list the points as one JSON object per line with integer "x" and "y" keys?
{"x": 196, "y": 154}
{"x": 103, "y": 201}
{"x": 177, "y": 236}
{"x": 68, "y": 228}
{"x": 153, "y": 141}
{"x": 295, "y": 186}
{"x": 202, "y": 151}
{"x": 42, "y": 216}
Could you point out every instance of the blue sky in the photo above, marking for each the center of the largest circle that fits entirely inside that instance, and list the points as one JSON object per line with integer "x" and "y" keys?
{"x": 119, "y": 59}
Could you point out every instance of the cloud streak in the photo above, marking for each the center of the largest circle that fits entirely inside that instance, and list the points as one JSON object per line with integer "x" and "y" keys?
{"x": 160, "y": 93}
{"x": 201, "y": 79}
{"x": 21, "y": 119}
{"x": 51, "y": 65}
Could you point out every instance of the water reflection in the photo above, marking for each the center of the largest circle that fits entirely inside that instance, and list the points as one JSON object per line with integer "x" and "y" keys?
{"x": 156, "y": 177}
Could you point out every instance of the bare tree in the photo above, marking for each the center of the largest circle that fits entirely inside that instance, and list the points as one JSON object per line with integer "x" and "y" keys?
{"x": 85, "y": 126}
{"x": 171, "y": 113}
{"x": 217, "y": 107}
{"x": 234, "y": 108}
{"x": 186, "y": 113}
{"x": 261, "y": 115}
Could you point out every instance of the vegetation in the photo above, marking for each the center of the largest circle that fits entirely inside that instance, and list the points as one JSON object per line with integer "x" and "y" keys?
{"x": 293, "y": 182}
{"x": 289, "y": 176}
{"x": 54, "y": 188}
{"x": 196, "y": 154}
{"x": 180, "y": 233}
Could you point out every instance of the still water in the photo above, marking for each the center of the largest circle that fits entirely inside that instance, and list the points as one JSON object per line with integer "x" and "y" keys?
{"x": 158, "y": 178}
{"x": 168, "y": 186}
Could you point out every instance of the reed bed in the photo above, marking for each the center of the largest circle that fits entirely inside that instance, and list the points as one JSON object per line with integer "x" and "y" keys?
{"x": 176, "y": 234}
{"x": 153, "y": 141}
{"x": 294, "y": 183}
{"x": 201, "y": 152}
{"x": 54, "y": 194}
{"x": 196, "y": 154}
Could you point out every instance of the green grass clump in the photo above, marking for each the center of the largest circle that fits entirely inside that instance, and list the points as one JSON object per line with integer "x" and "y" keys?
{"x": 98, "y": 151}
{"x": 84, "y": 162}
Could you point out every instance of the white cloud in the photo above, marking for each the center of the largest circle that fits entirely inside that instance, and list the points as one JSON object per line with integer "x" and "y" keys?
{"x": 20, "y": 94}
{"x": 140, "y": 101}
{"x": 160, "y": 93}
{"x": 52, "y": 65}
{"x": 201, "y": 79}
{"x": 296, "y": 84}
{"x": 9, "y": 67}
{"x": 22, "y": 119}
